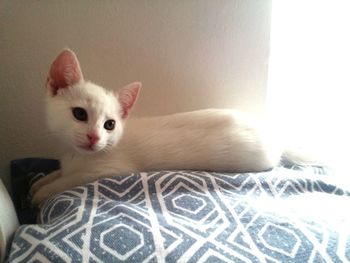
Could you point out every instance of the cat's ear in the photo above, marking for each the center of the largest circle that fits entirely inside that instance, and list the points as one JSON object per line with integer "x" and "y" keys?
{"x": 65, "y": 71}
{"x": 127, "y": 97}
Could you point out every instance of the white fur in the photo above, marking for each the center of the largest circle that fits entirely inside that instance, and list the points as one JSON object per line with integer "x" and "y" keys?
{"x": 100, "y": 104}
{"x": 211, "y": 140}
{"x": 216, "y": 140}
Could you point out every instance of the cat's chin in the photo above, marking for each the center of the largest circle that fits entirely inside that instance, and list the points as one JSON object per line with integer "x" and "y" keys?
{"x": 87, "y": 149}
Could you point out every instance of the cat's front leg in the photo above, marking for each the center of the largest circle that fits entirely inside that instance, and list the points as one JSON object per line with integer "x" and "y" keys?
{"x": 45, "y": 180}
{"x": 57, "y": 186}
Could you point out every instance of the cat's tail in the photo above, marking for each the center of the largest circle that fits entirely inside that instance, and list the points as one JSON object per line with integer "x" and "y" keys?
{"x": 303, "y": 157}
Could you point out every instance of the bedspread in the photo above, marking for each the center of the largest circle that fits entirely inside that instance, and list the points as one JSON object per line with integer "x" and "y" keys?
{"x": 284, "y": 215}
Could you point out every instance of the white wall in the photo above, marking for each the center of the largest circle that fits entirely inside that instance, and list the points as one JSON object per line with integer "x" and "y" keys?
{"x": 188, "y": 54}
{"x": 316, "y": 65}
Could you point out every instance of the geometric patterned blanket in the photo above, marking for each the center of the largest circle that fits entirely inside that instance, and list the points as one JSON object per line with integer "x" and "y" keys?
{"x": 283, "y": 215}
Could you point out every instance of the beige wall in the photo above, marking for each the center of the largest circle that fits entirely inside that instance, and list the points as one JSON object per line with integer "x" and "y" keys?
{"x": 188, "y": 54}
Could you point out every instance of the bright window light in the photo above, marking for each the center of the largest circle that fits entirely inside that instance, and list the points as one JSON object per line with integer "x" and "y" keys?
{"x": 309, "y": 75}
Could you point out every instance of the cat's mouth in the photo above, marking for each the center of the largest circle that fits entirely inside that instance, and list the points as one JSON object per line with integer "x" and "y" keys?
{"x": 87, "y": 148}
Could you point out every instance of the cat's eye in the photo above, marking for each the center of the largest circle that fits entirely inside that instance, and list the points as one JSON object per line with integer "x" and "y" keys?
{"x": 80, "y": 114}
{"x": 109, "y": 125}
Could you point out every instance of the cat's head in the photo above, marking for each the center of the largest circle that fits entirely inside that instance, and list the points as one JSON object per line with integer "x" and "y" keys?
{"x": 85, "y": 116}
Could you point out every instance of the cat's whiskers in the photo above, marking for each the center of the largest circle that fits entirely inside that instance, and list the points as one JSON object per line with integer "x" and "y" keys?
{"x": 107, "y": 147}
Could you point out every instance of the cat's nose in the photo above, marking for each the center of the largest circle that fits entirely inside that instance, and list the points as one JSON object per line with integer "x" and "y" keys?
{"x": 93, "y": 138}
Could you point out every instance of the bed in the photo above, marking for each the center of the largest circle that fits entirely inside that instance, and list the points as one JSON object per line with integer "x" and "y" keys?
{"x": 288, "y": 214}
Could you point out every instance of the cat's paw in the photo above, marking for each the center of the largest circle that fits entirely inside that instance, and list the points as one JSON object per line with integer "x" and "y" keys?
{"x": 35, "y": 187}
{"x": 44, "y": 181}
{"x": 40, "y": 196}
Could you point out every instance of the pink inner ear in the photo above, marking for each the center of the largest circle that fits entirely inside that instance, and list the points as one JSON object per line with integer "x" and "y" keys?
{"x": 127, "y": 97}
{"x": 65, "y": 71}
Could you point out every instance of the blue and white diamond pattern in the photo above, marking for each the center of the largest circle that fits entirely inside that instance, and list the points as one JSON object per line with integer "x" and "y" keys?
{"x": 183, "y": 216}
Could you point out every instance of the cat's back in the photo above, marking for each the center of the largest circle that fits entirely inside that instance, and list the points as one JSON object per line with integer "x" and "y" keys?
{"x": 225, "y": 140}
{"x": 210, "y": 140}
{"x": 201, "y": 119}
{"x": 211, "y": 125}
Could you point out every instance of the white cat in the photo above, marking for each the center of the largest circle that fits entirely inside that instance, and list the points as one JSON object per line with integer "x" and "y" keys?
{"x": 92, "y": 122}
